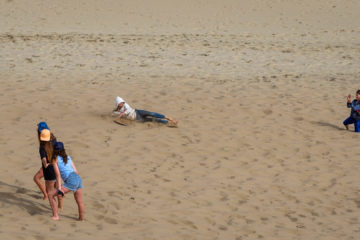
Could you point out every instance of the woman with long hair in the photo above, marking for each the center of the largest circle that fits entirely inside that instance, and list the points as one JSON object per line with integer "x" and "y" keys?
{"x": 65, "y": 169}
{"x": 40, "y": 174}
{"x": 46, "y": 150}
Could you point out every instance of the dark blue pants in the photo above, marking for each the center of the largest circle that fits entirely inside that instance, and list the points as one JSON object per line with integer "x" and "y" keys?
{"x": 147, "y": 116}
{"x": 356, "y": 123}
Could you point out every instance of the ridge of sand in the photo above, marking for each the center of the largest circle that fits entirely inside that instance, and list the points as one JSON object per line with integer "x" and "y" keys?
{"x": 173, "y": 16}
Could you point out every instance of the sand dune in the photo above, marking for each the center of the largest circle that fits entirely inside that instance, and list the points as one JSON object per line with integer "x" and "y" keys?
{"x": 260, "y": 151}
{"x": 174, "y": 17}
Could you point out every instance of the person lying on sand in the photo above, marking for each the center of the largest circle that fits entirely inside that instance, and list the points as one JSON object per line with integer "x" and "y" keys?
{"x": 65, "y": 168}
{"x": 123, "y": 110}
{"x": 355, "y": 112}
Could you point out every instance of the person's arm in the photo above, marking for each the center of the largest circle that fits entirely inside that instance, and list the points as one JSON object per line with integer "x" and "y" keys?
{"x": 43, "y": 157}
{"x": 44, "y": 162}
{"x": 121, "y": 114}
{"x": 123, "y": 111}
{"x": 57, "y": 174}
{"x": 349, "y": 103}
{"x": 356, "y": 107}
{"x": 120, "y": 111}
{"x": 73, "y": 165}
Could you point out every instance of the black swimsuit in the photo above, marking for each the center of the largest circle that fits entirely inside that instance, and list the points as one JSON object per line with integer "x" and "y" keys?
{"x": 49, "y": 173}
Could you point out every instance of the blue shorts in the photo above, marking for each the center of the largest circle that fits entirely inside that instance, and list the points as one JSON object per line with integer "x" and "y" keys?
{"x": 73, "y": 182}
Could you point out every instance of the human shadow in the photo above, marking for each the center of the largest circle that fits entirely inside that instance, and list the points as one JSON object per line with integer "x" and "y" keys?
{"x": 19, "y": 196}
{"x": 325, "y": 124}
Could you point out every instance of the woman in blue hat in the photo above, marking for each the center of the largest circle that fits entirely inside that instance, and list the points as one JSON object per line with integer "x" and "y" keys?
{"x": 46, "y": 141}
{"x": 65, "y": 169}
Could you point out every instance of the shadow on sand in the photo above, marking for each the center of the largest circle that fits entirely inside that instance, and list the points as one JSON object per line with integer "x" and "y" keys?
{"x": 325, "y": 124}
{"x": 20, "y": 197}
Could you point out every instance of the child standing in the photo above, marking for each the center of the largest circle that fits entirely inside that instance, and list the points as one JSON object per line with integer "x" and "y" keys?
{"x": 65, "y": 168}
{"x": 355, "y": 112}
{"x": 46, "y": 150}
{"x": 40, "y": 173}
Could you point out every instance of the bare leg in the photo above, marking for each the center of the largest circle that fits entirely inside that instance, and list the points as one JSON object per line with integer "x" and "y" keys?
{"x": 52, "y": 201}
{"x": 60, "y": 205}
{"x": 37, "y": 180}
{"x": 53, "y": 204}
{"x": 80, "y": 203}
{"x": 49, "y": 186}
{"x": 51, "y": 192}
{"x": 59, "y": 197}
{"x": 347, "y": 127}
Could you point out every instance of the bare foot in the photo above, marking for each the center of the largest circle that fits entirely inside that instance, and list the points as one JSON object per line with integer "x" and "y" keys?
{"x": 172, "y": 124}
{"x": 347, "y": 127}
{"x": 56, "y": 218}
{"x": 170, "y": 119}
{"x": 45, "y": 197}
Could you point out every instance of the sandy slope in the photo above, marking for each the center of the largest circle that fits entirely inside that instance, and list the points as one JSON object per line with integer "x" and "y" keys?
{"x": 173, "y": 16}
{"x": 260, "y": 152}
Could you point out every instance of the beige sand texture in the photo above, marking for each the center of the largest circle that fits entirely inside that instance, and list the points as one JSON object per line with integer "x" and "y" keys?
{"x": 259, "y": 89}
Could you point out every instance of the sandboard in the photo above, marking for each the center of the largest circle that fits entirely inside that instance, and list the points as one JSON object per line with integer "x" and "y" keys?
{"x": 122, "y": 122}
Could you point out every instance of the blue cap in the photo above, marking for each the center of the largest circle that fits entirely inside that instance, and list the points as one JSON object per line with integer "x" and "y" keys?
{"x": 42, "y": 126}
{"x": 58, "y": 146}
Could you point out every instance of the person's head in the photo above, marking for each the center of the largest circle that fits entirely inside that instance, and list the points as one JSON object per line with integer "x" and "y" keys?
{"x": 45, "y": 135}
{"x": 358, "y": 95}
{"x": 41, "y": 126}
{"x": 45, "y": 142}
{"x": 119, "y": 102}
{"x": 59, "y": 150}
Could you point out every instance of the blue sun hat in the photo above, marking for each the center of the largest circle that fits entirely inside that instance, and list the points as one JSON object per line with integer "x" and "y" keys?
{"x": 58, "y": 146}
{"x": 42, "y": 126}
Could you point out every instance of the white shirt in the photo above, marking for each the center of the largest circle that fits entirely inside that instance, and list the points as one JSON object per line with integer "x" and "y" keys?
{"x": 128, "y": 111}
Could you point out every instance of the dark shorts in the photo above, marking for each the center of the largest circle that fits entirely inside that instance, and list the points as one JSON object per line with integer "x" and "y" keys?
{"x": 49, "y": 173}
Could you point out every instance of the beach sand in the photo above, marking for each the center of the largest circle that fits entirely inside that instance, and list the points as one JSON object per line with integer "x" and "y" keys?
{"x": 259, "y": 89}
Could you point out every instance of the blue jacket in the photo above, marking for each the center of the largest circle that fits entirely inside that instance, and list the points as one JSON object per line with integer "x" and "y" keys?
{"x": 355, "y": 109}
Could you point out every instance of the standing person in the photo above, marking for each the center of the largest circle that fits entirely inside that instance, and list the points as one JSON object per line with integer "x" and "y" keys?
{"x": 65, "y": 168}
{"x": 123, "y": 110}
{"x": 355, "y": 112}
{"x": 40, "y": 174}
{"x": 46, "y": 150}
